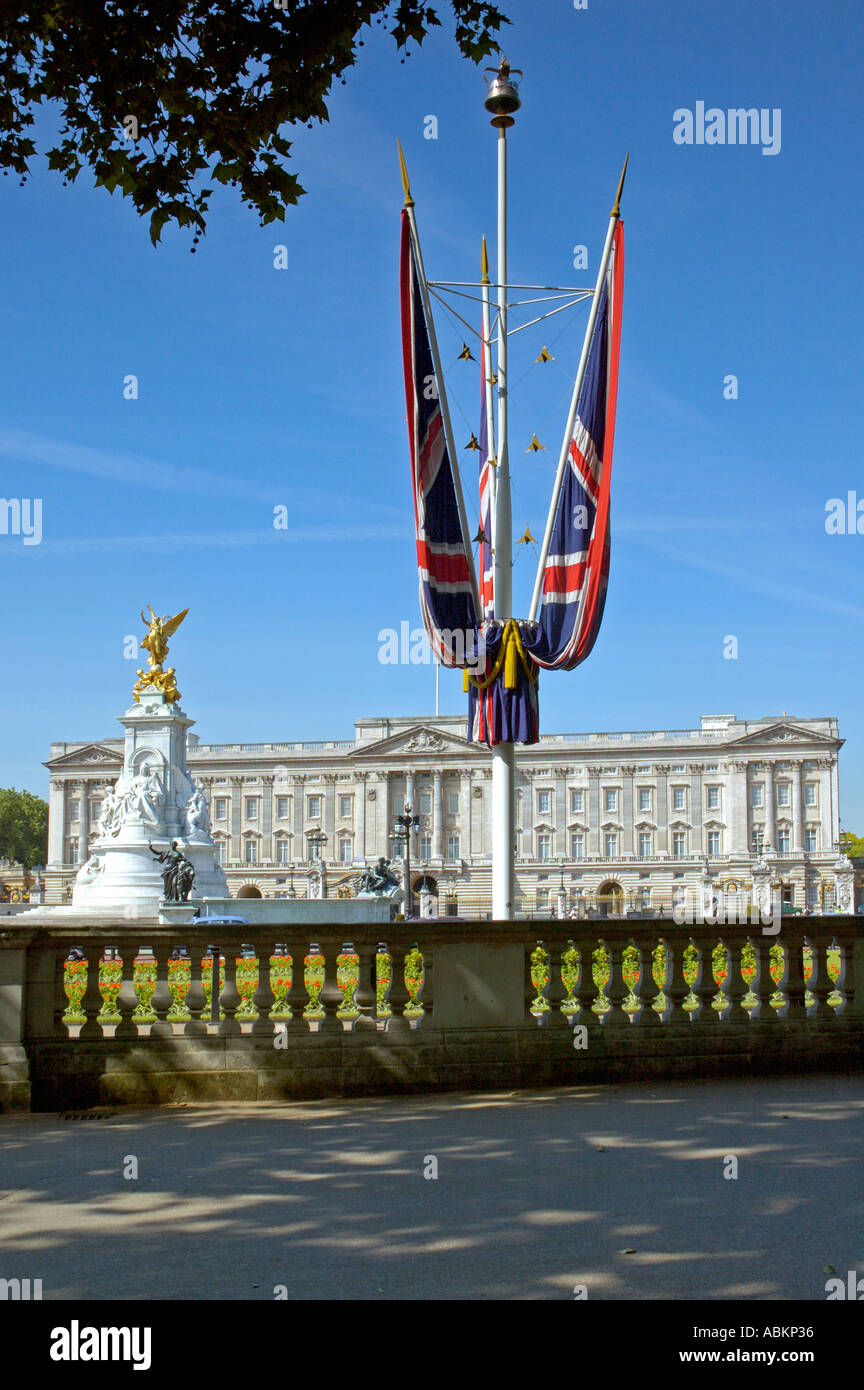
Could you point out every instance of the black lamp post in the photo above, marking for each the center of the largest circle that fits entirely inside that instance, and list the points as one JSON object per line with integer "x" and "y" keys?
{"x": 317, "y": 841}
{"x": 406, "y": 825}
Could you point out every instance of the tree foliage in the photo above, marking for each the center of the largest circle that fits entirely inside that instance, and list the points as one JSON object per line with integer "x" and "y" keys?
{"x": 852, "y": 844}
{"x": 160, "y": 98}
{"x": 23, "y": 827}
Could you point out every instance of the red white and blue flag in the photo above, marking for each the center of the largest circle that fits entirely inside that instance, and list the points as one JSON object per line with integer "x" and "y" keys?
{"x": 485, "y": 573}
{"x": 577, "y": 566}
{"x": 447, "y": 601}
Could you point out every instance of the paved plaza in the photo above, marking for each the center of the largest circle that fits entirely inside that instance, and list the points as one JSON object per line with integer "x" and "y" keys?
{"x": 618, "y": 1188}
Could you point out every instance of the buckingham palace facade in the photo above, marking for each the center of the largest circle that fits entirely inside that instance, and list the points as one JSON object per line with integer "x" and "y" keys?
{"x": 605, "y": 822}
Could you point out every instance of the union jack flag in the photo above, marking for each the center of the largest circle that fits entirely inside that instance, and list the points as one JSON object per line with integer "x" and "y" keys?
{"x": 485, "y": 573}
{"x": 577, "y": 566}
{"x": 447, "y": 601}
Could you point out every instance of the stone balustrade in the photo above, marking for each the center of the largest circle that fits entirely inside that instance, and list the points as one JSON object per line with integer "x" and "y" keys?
{"x": 414, "y": 1006}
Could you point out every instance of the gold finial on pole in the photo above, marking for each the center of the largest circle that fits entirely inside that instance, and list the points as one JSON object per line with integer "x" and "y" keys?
{"x": 409, "y": 201}
{"x": 616, "y": 211}
{"x": 484, "y": 262}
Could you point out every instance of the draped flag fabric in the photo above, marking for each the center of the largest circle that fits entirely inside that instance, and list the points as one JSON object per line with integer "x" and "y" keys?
{"x": 447, "y": 599}
{"x": 577, "y": 566}
{"x": 502, "y": 695}
{"x": 485, "y": 574}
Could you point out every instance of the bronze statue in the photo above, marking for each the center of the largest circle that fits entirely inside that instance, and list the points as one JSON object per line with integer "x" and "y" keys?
{"x": 178, "y": 874}
{"x": 155, "y": 643}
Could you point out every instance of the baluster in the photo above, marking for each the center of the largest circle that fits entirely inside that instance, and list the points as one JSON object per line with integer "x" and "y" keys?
{"x": 214, "y": 951}
{"x": 161, "y": 1000}
{"x": 414, "y": 976}
{"x": 850, "y": 978}
{"x": 734, "y": 986}
{"x": 540, "y": 968}
{"x": 820, "y": 985}
{"x": 384, "y": 975}
{"x": 314, "y": 976}
{"x": 229, "y": 1026}
{"x": 91, "y": 1001}
{"x": 794, "y": 977}
{"x": 678, "y": 987}
{"x": 705, "y": 986}
{"x": 647, "y": 989}
{"x": 347, "y": 982}
{"x": 570, "y": 968}
{"x": 365, "y": 993}
{"x": 263, "y": 998}
{"x": 127, "y": 998}
{"x": 616, "y": 988}
{"x": 586, "y": 992}
{"x": 196, "y": 998}
{"x": 763, "y": 984}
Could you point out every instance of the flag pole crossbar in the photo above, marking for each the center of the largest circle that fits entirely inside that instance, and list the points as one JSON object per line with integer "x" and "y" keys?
{"x": 516, "y": 304}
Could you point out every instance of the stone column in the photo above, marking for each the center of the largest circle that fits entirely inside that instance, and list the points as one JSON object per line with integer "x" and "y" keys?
{"x": 438, "y": 817}
{"x": 770, "y": 806}
{"x": 593, "y": 816}
{"x": 330, "y": 848}
{"x": 662, "y": 772}
{"x": 739, "y": 783}
{"x": 360, "y": 815}
{"x": 797, "y": 806}
{"x": 236, "y": 809}
{"x": 56, "y": 818}
{"x": 465, "y": 813}
{"x": 266, "y": 817}
{"x": 697, "y": 845}
{"x": 298, "y": 848}
{"x": 83, "y": 822}
{"x": 559, "y": 813}
{"x": 628, "y": 845}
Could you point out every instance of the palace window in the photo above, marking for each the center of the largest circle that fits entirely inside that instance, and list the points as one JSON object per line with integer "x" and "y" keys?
{"x": 74, "y": 811}
{"x": 713, "y": 842}
{"x": 810, "y": 839}
{"x": 679, "y": 798}
{"x": 345, "y": 806}
{"x": 452, "y": 804}
{"x": 783, "y": 842}
{"x": 679, "y": 844}
{"x": 644, "y": 844}
{"x": 577, "y": 845}
{"x": 221, "y": 808}
{"x": 283, "y": 850}
{"x": 644, "y": 795}
{"x": 282, "y": 808}
{"x": 251, "y": 851}
{"x": 345, "y": 850}
{"x": 72, "y": 852}
{"x": 544, "y": 847}
{"x": 425, "y": 846}
{"x": 577, "y": 801}
{"x": 425, "y": 803}
{"x": 452, "y": 846}
{"x": 756, "y": 795}
{"x": 757, "y": 840}
{"x": 221, "y": 851}
{"x": 544, "y": 800}
{"x": 712, "y": 798}
{"x": 313, "y": 805}
{"x": 252, "y": 808}
{"x": 783, "y": 794}
{"x": 810, "y": 793}
{"x": 610, "y": 844}
{"x": 610, "y": 799}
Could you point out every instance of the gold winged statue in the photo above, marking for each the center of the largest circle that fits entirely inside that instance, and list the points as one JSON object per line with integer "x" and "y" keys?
{"x": 156, "y": 646}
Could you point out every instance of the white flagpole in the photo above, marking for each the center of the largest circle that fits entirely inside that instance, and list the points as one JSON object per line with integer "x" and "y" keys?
{"x": 487, "y": 386}
{"x": 574, "y": 401}
{"x": 439, "y": 379}
{"x": 502, "y": 101}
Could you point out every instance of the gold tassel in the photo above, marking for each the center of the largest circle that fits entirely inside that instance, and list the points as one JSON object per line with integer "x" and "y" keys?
{"x": 465, "y": 680}
{"x": 510, "y": 657}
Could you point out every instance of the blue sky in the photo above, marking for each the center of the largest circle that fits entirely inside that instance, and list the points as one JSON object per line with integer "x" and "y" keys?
{"x": 260, "y": 387}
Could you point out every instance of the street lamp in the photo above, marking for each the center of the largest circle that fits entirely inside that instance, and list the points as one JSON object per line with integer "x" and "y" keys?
{"x": 406, "y": 825}
{"x": 317, "y": 841}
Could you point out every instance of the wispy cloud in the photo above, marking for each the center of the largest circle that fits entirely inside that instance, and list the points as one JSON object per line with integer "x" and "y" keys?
{"x": 202, "y": 540}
